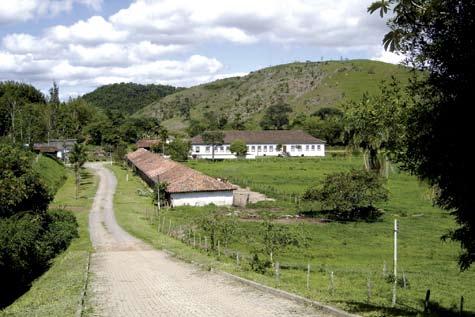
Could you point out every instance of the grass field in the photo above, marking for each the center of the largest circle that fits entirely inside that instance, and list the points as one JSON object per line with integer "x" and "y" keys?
{"x": 57, "y": 292}
{"x": 353, "y": 251}
{"x": 51, "y": 171}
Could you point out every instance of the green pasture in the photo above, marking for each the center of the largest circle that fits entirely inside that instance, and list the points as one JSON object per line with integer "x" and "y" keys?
{"x": 356, "y": 252}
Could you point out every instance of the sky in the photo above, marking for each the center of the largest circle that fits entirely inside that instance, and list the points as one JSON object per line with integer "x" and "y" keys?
{"x": 83, "y": 44}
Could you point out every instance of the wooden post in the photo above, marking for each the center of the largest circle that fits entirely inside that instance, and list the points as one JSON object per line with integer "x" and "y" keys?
{"x": 277, "y": 272}
{"x": 427, "y": 301}
{"x": 219, "y": 250}
{"x": 194, "y": 240}
{"x": 170, "y": 227}
{"x": 206, "y": 243}
{"x": 308, "y": 276}
{"x": 385, "y": 269}
{"x": 369, "y": 290}
{"x": 237, "y": 258}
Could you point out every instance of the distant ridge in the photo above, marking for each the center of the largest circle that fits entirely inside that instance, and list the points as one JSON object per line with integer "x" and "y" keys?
{"x": 127, "y": 97}
{"x": 306, "y": 86}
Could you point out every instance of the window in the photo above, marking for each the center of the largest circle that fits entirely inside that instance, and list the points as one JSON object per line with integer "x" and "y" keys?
{"x": 299, "y": 148}
{"x": 222, "y": 148}
{"x": 265, "y": 148}
{"x": 271, "y": 148}
{"x": 253, "y": 148}
{"x": 258, "y": 148}
{"x": 307, "y": 147}
{"x": 313, "y": 147}
{"x": 227, "y": 148}
{"x": 292, "y": 148}
{"x": 318, "y": 147}
{"x": 207, "y": 149}
{"x": 197, "y": 149}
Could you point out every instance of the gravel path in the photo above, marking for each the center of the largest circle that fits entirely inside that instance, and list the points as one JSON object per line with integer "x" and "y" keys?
{"x": 129, "y": 278}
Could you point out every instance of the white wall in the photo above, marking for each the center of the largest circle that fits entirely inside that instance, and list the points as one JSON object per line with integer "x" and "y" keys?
{"x": 219, "y": 198}
{"x": 255, "y": 150}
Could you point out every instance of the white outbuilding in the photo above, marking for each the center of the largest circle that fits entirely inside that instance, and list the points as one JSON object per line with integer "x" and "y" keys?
{"x": 185, "y": 186}
{"x": 261, "y": 143}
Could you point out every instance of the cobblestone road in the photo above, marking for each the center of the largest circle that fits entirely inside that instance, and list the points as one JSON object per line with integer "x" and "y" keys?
{"x": 128, "y": 278}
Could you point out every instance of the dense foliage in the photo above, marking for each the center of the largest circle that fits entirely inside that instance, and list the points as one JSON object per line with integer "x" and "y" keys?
{"x": 29, "y": 235}
{"x": 178, "y": 150}
{"x": 437, "y": 37}
{"x": 127, "y": 97}
{"x": 276, "y": 117}
{"x": 239, "y": 148}
{"x": 21, "y": 189}
{"x": 349, "y": 195}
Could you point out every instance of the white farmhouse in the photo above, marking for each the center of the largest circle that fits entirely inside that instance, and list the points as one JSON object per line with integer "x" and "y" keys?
{"x": 185, "y": 186}
{"x": 262, "y": 143}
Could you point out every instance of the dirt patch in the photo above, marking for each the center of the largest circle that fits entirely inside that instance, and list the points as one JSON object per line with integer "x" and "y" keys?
{"x": 244, "y": 196}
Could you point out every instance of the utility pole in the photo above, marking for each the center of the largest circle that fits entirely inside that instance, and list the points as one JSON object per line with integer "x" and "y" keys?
{"x": 395, "y": 262}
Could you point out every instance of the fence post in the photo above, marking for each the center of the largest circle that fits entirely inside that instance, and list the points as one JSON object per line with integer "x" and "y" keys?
{"x": 237, "y": 258}
{"x": 332, "y": 285}
{"x": 277, "y": 272}
{"x": 170, "y": 227}
{"x": 219, "y": 250}
{"x": 206, "y": 243}
{"x": 308, "y": 275}
{"x": 427, "y": 301}
{"x": 385, "y": 270}
{"x": 194, "y": 239}
{"x": 369, "y": 289}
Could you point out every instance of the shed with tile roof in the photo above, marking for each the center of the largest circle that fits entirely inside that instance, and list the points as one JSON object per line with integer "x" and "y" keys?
{"x": 185, "y": 186}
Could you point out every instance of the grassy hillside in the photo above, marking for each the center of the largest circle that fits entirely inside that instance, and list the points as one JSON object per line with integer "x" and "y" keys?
{"x": 127, "y": 97}
{"x": 52, "y": 172}
{"x": 305, "y": 86}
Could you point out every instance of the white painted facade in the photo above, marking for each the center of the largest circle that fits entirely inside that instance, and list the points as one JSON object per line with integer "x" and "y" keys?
{"x": 219, "y": 198}
{"x": 258, "y": 150}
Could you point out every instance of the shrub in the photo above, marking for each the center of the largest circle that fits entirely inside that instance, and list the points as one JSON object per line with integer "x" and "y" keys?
{"x": 28, "y": 243}
{"x": 239, "y": 148}
{"x": 349, "y": 195}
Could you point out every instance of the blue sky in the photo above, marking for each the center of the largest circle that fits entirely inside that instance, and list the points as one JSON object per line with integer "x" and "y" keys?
{"x": 83, "y": 44}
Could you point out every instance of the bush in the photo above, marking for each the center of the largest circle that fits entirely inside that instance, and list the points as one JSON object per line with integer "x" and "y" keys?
{"x": 28, "y": 242}
{"x": 349, "y": 195}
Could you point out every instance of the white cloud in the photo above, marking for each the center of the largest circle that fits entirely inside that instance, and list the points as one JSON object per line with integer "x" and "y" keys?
{"x": 388, "y": 57}
{"x": 153, "y": 41}
{"x": 95, "y": 30}
{"x": 24, "y": 10}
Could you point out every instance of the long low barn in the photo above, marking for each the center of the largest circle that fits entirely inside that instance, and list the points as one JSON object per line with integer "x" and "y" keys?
{"x": 261, "y": 143}
{"x": 185, "y": 186}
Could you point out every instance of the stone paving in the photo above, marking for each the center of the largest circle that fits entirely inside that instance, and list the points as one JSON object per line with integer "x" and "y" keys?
{"x": 129, "y": 278}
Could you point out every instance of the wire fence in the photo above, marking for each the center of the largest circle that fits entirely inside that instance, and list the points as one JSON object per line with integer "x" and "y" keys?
{"x": 380, "y": 287}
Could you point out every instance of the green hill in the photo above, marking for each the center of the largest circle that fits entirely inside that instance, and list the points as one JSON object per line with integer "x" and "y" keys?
{"x": 127, "y": 97}
{"x": 305, "y": 86}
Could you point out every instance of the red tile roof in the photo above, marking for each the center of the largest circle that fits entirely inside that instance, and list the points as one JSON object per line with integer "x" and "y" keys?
{"x": 180, "y": 178}
{"x": 266, "y": 137}
{"x": 147, "y": 143}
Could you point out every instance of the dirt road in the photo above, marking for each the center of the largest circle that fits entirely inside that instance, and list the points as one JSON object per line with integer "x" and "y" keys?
{"x": 129, "y": 278}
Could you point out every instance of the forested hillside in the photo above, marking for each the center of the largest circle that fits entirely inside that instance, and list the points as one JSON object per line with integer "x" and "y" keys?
{"x": 306, "y": 87}
{"x": 127, "y": 97}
